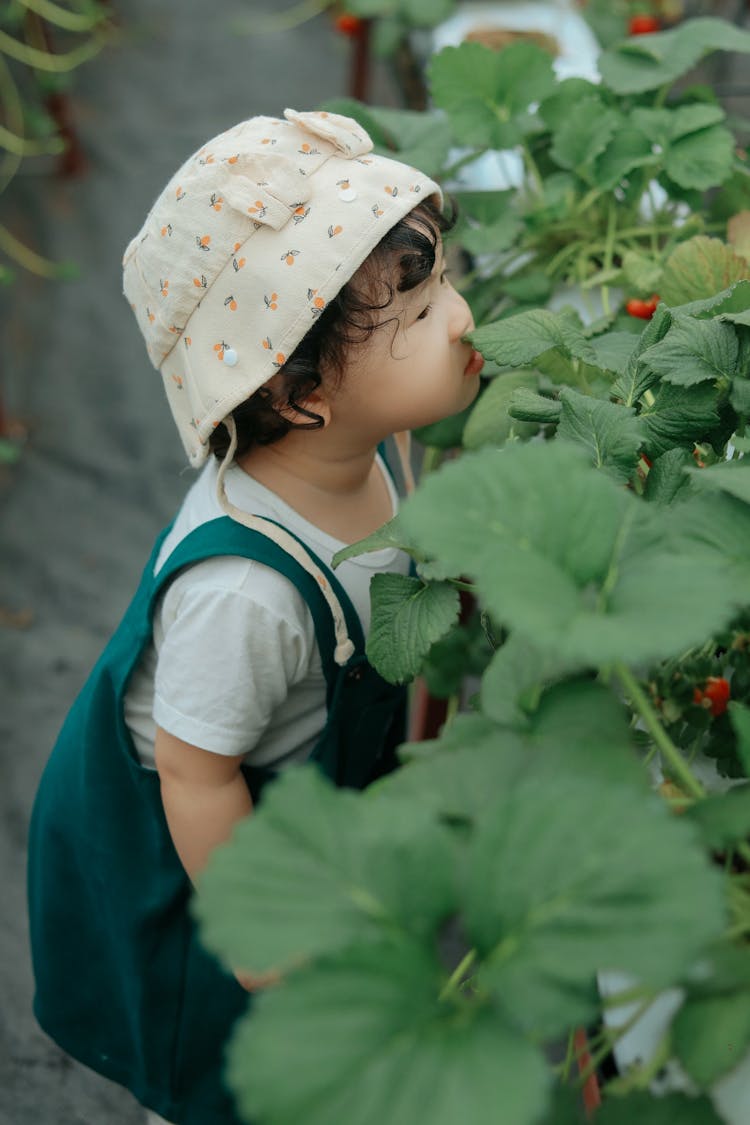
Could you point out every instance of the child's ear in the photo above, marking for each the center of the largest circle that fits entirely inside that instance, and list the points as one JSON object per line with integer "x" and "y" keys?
{"x": 313, "y": 406}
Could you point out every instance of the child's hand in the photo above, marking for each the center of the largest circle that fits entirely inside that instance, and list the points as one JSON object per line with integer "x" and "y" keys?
{"x": 253, "y": 982}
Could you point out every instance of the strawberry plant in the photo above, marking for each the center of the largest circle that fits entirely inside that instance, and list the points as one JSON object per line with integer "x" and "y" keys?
{"x": 33, "y": 79}
{"x": 443, "y": 936}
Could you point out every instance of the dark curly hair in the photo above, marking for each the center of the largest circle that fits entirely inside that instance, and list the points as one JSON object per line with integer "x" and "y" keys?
{"x": 406, "y": 255}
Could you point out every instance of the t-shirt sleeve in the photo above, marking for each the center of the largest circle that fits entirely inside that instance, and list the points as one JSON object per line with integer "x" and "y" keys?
{"x": 227, "y": 659}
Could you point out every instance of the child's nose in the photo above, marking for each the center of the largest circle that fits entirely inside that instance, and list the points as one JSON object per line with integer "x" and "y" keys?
{"x": 461, "y": 319}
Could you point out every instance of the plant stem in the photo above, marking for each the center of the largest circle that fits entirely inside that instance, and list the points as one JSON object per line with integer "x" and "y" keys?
{"x": 433, "y": 455}
{"x": 532, "y": 170}
{"x": 10, "y": 99}
{"x": 19, "y": 146}
{"x": 61, "y": 17}
{"x": 45, "y": 60}
{"x": 284, "y": 21}
{"x": 457, "y": 165}
{"x": 609, "y": 251}
{"x": 454, "y": 702}
{"x": 457, "y": 975}
{"x": 613, "y": 1036}
{"x": 27, "y": 258}
{"x": 627, "y": 996}
{"x": 469, "y": 587}
{"x": 569, "y": 1055}
{"x": 672, "y": 755}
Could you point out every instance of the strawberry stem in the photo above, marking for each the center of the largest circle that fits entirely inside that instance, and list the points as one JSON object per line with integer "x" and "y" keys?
{"x": 674, "y": 759}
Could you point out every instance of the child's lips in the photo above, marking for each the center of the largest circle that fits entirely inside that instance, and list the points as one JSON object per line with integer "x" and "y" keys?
{"x": 475, "y": 364}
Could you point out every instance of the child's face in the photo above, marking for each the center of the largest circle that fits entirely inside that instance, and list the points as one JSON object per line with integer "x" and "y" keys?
{"x": 414, "y": 369}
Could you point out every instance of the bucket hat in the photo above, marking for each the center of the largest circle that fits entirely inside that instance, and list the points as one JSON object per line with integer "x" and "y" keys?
{"x": 246, "y": 246}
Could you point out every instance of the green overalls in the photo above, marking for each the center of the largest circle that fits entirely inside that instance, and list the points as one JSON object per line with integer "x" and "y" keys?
{"x": 123, "y": 983}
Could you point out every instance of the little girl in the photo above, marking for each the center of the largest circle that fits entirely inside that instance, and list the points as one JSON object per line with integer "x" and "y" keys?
{"x": 291, "y": 289}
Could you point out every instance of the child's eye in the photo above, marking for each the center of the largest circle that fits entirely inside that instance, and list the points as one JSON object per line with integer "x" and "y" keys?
{"x": 424, "y": 313}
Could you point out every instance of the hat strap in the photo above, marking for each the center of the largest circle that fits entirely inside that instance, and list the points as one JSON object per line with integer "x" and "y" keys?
{"x": 344, "y": 647}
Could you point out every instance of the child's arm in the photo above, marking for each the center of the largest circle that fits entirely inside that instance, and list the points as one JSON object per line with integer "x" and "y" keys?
{"x": 204, "y": 795}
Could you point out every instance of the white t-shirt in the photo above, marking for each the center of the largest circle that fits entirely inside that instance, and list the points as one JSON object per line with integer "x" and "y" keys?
{"x": 234, "y": 665}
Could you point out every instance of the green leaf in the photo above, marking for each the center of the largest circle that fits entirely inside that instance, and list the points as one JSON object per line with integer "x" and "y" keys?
{"x": 367, "y": 116}
{"x": 566, "y": 1108}
{"x": 388, "y": 34}
{"x": 679, "y": 416}
{"x": 565, "y": 556}
{"x": 459, "y": 774}
{"x": 642, "y": 273}
{"x": 316, "y": 869}
{"x": 723, "y": 818}
{"x": 490, "y": 421}
{"x": 700, "y": 268}
{"x": 652, "y": 61}
{"x": 531, "y": 287}
{"x": 614, "y": 350}
{"x": 423, "y": 140}
{"x": 574, "y": 727}
{"x": 638, "y": 376}
{"x": 728, "y": 305}
{"x": 463, "y": 651}
{"x": 484, "y": 92}
{"x": 408, "y": 617}
{"x": 368, "y": 1041}
{"x": 390, "y": 535}
{"x": 493, "y": 237}
{"x": 729, "y": 476}
{"x": 693, "y": 351}
{"x": 611, "y": 434}
{"x": 627, "y": 150}
{"x": 739, "y": 396}
{"x": 447, "y": 433}
{"x": 559, "y": 194}
{"x": 740, "y": 719}
{"x": 667, "y": 477}
{"x": 557, "y": 109}
{"x": 693, "y": 118}
{"x": 485, "y": 207}
{"x": 527, "y": 406}
{"x": 733, "y": 197}
{"x": 666, "y": 1109}
{"x": 427, "y": 13}
{"x": 702, "y": 160}
{"x": 513, "y": 682}
{"x": 549, "y": 907}
{"x": 720, "y": 524}
{"x": 581, "y": 138}
{"x": 366, "y": 8}
{"x": 711, "y": 1034}
{"x": 580, "y": 726}
{"x": 606, "y": 21}
{"x": 518, "y": 340}
{"x": 662, "y": 126}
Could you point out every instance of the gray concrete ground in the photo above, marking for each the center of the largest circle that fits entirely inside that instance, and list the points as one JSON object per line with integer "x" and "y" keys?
{"x": 103, "y": 469}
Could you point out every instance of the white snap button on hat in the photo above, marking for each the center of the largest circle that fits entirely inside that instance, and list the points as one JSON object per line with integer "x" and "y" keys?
{"x": 347, "y": 194}
{"x": 230, "y": 357}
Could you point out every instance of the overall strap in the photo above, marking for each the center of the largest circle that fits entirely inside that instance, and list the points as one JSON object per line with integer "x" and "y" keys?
{"x": 225, "y": 536}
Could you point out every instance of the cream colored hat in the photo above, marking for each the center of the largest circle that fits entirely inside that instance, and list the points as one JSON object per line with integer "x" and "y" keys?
{"x": 245, "y": 247}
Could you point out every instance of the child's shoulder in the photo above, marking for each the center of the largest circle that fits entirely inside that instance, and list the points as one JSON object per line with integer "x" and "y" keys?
{"x": 225, "y": 583}
{"x": 201, "y": 505}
